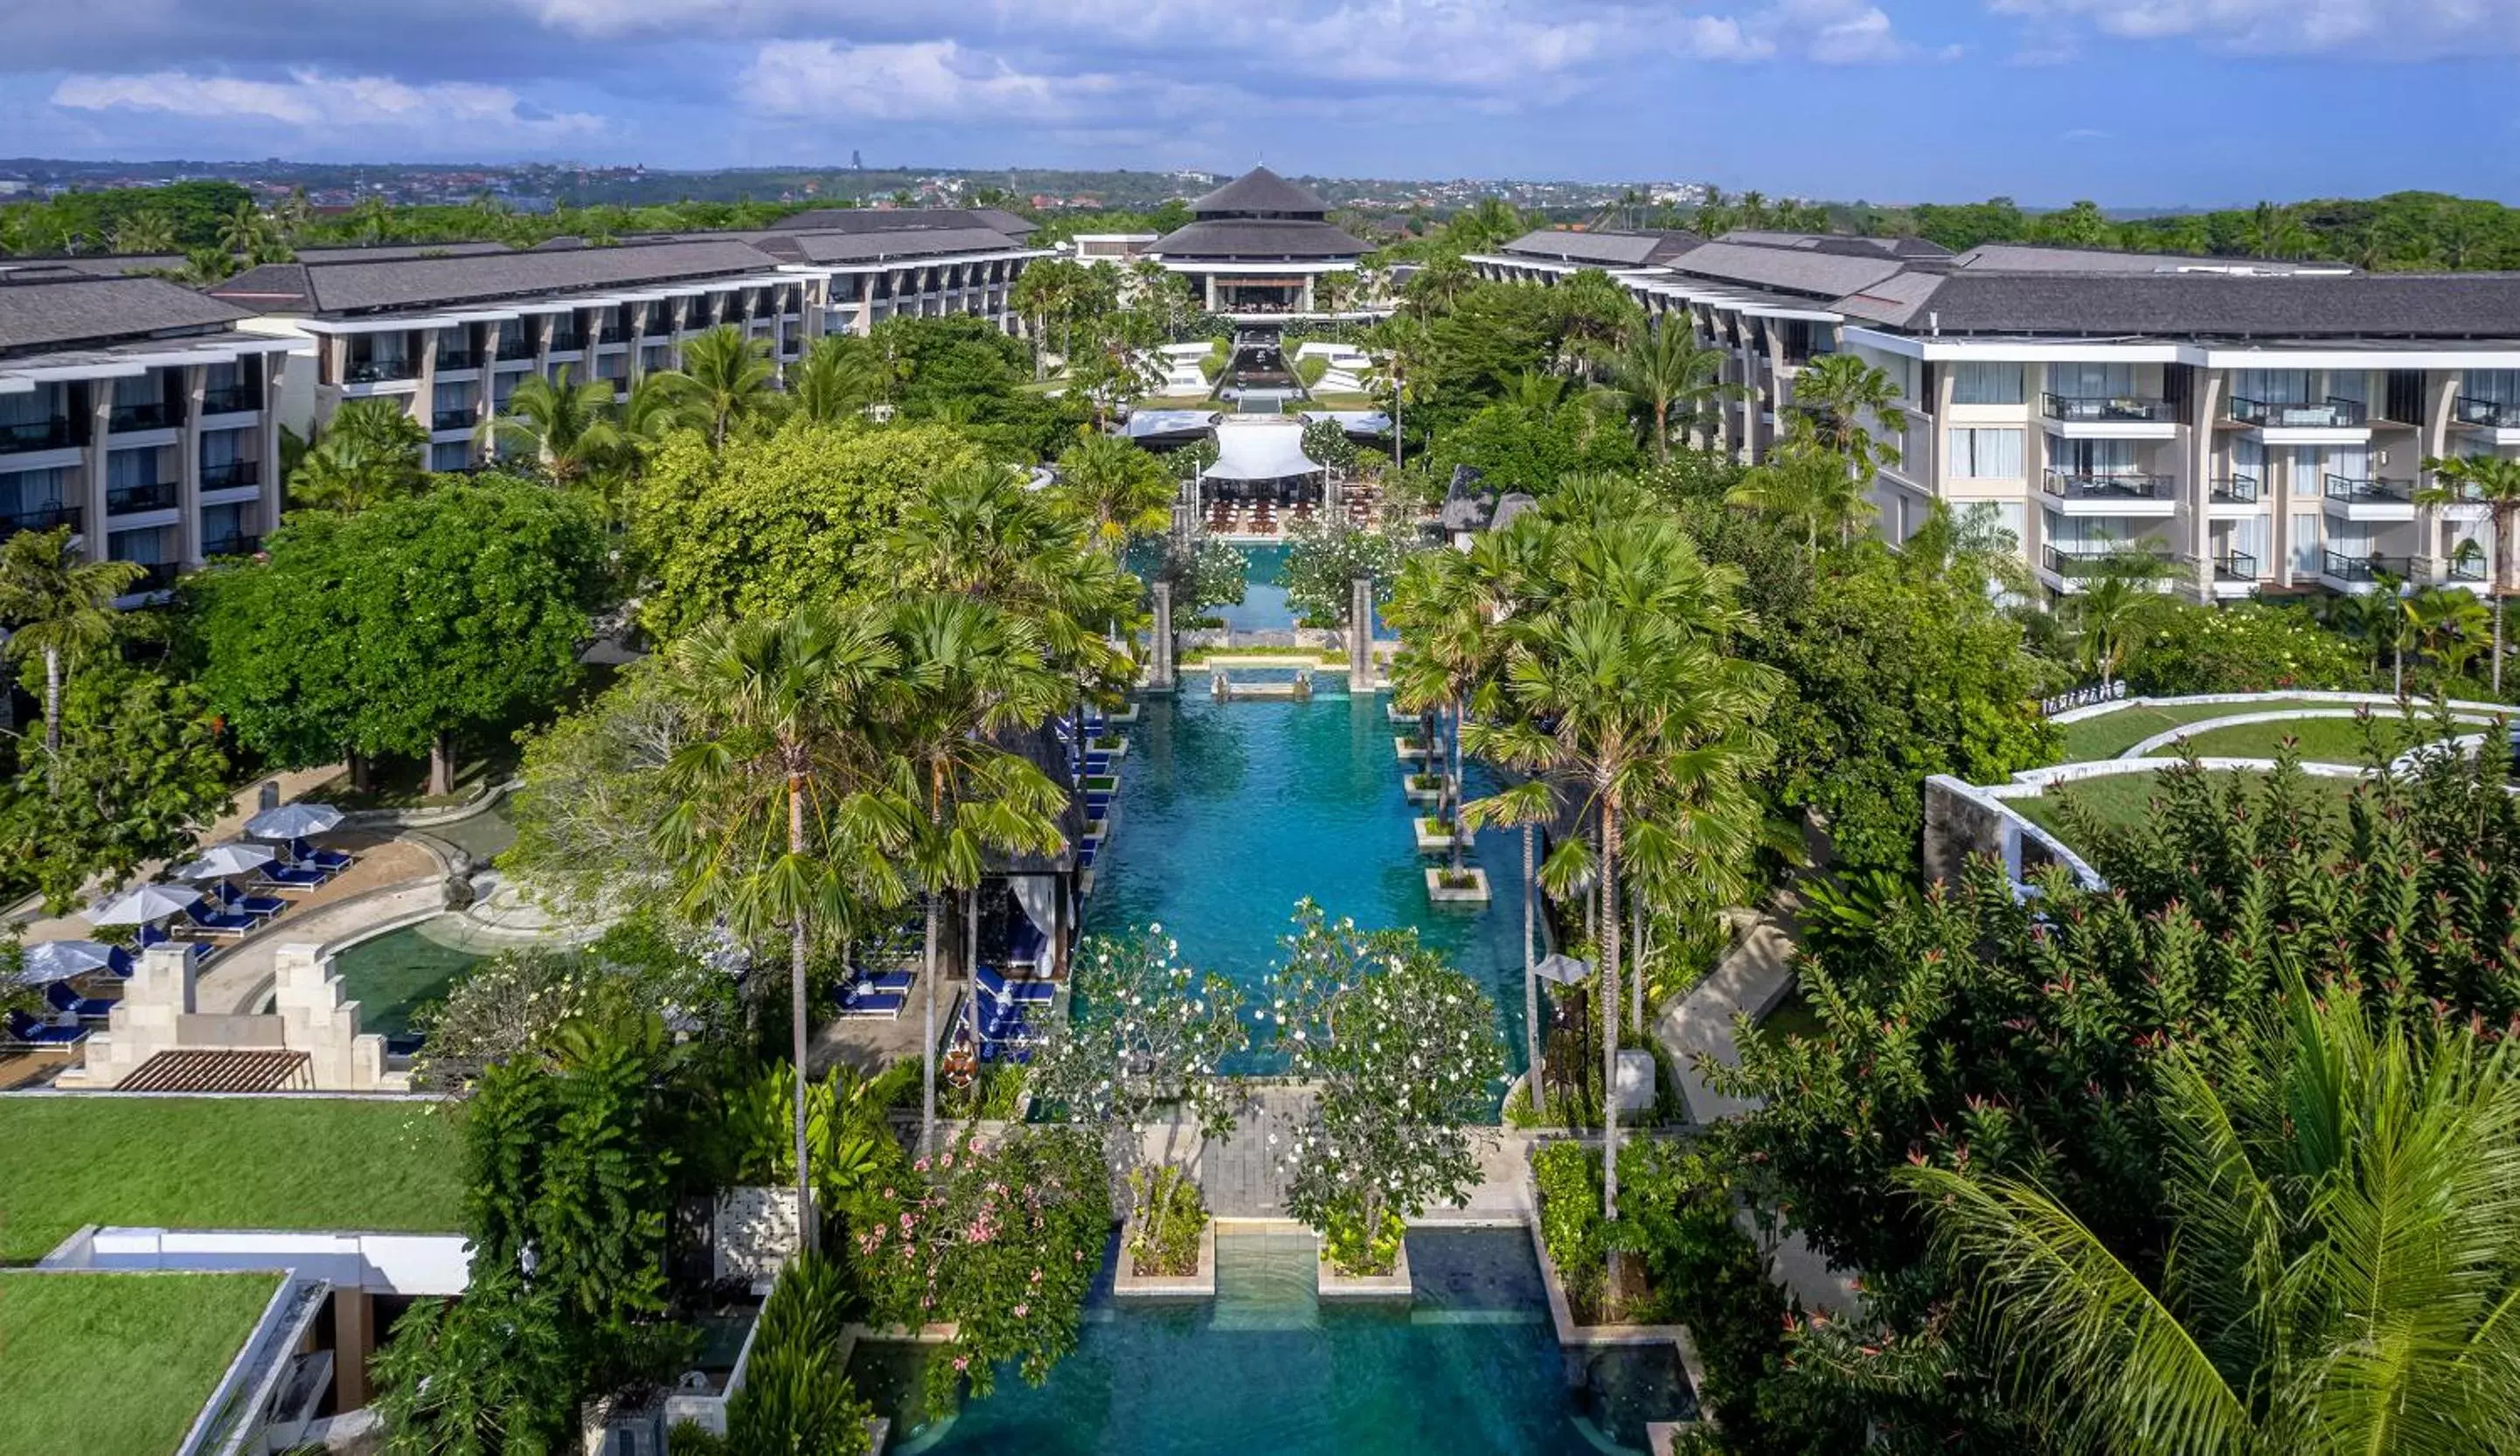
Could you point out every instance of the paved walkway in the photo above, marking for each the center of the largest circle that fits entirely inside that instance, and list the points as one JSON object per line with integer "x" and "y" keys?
{"x": 1756, "y": 974}
{"x": 1241, "y": 1177}
{"x": 243, "y": 806}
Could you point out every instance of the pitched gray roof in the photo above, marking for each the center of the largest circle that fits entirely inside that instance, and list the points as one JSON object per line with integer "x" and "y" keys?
{"x": 2024, "y": 257}
{"x": 1788, "y": 270}
{"x": 902, "y": 220}
{"x": 1258, "y": 238}
{"x": 1260, "y": 192}
{"x": 868, "y": 248}
{"x": 61, "y": 312}
{"x": 1608, "y": 249}
{"x": 2397, "y": 305}
{"x": 369, "y": 286}
{"x": 1840, "y": 242}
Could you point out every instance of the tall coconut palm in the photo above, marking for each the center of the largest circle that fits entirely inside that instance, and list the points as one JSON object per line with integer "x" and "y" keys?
{"x": 779, "y": 823}
{"x": 1119, "y": 487}
{"x": 1398, "y": 346}
{"x": 568, "y": 427}
{"x": 839, "y": 378}
{"x": 1802, "y": 483}
{"x": 2495, "y": 483}
{"x": 57, "y": 605}
{"x": 2343, "y": 1270}
{"x": 1839, "y": 393}
{"x": 244, "y": 232}
{"x": 147, "y": 231}
{"x": 970, "y": 675}
{"x": 1664, "y": 370}
{"x": 727, "y": 380}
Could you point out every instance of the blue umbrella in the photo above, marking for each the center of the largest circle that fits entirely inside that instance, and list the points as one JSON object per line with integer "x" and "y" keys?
{"x": 61, "y": 960}
{"x": 294, "y": 821}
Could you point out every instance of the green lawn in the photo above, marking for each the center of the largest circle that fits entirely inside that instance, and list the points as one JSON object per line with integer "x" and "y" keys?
{"x": 118, "y": 1364}
{"x": 275, "y": 1163}
{"x": 1334, "y": 400}
{"x": 2123, "y": 799}
{"x": 2109, "y": 735}
{"x": 397, "y": 973}
{"x": 2322, "y": 740}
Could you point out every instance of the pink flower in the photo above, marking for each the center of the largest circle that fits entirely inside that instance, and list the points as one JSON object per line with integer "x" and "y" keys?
{"x": 947, "y": 1161}
{"x": 920, "y": 1166}
{"x": 1022, "y": 1309}
{"x": 962, "y": 1362}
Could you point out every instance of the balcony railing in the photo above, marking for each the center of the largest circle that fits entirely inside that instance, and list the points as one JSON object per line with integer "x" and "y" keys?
{"x": 2234, "y": 490}
{"x": 234, "y": 544}
{"x": 2370, "y": 492}
{"x": 37, "y": 434}
{"x": 2370, "y": 568}
{"x": 2236, "y": 566}
{"x": 464, "y": 417}
{"x": 153, "y": 413}
{"x": 567, "y": 344}
{"x": 458, "y": 358}
{"x": 376, "y": 371}
{"x": 2080, "y": 562}
{"x": 41, "y": 518}
{"x": 2118, "y": 408}
{"x": 2331, "y": 413}
{"x": 2128, "y": 488}
{"x": 236, "y": 399}
{"x": 656, "y": 327}
{"x": 231, "y": 474}
{"x": 2484, "y": 414}
{"x": 155, "y": 495}
{"x": 2461, "y": 569}
{"x": 520, "y": 347}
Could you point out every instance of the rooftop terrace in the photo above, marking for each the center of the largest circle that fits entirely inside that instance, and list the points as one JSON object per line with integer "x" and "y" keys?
{"x": 118, "y": 1364}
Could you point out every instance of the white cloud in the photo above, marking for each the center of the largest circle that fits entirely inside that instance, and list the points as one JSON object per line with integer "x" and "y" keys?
{"x": 312, "y": 100}
{"x": 928, "y": 80}
{"x": 2394, "y": 29}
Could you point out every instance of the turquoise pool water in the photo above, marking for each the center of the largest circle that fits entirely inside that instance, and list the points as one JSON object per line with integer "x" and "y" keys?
{"x": 1469, "y": 1368}
{"x": 1262, "y": 607}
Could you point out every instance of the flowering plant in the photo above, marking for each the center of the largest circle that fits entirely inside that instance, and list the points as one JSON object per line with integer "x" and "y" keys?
{"x": 1404, "y": 1056}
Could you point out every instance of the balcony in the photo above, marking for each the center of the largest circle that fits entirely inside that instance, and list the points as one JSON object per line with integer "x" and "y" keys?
{"x": 46, "y": 518}
{"x": 462, "y": 418}
{"x": 2370, "y": 499}
{"x": 2484, "y": 414}
{"x": 2329, "y": 415}
{"x": 2233, "y": 490}
{"x": 520, "y": 347}
{"x": 2365, "y": 571}
{"x": 232, "y": 474}
{"x": 2086, "y": 414}
{"x": 567, "y": 344}
{"x": 235, "y": 399}
{"x": 128, "y": 500}
{"x": 154, "y": 575}
{"x": 2110, "y": 495}
{"x": 2236, "y": 566}
{"x": 234, "y": 544}
{"x": 2460, "y": 571}
{"x": 2068, "y": 568}
{"x": 37, "y": 434}
{"x": 153, "y": 413}
{"x": 455, "y": 359}
{"x": 660, "y": 328}
{"x": 378, "y": 371}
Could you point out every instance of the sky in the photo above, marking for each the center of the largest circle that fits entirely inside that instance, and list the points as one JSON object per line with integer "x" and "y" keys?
{"x": 2131, "y": 102}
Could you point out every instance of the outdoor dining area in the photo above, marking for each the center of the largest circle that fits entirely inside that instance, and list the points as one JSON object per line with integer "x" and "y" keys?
{"x": 229, "y": 892}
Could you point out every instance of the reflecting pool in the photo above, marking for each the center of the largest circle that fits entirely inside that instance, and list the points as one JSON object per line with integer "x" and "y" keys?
{"x": 1469, "y": 1368}
{"x": 1262, "y": 607}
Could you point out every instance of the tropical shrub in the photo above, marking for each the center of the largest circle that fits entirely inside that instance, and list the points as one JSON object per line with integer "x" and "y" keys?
{"x": 2185, "y": 647}
{"x": 1567, "y": 1177}
{"x": 1172, "y": 1218}
{"x": 796, "y": 1399}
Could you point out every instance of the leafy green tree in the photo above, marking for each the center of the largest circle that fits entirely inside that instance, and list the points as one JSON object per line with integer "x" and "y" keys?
{"x": 1596, "y": 316}
{"x": 2343, "y": 1253}
{"x": 370, "y": 454}
{"x": 566, "y": 429}
{"x": 58, "y": 606}
{"x": 1325, "y": 444}
{"x": 1323, "y": 556}
{"x": 799, "y": 515}
{"x": 2496, "y": 482}
{"x": 485, "y": 1375}
{"x": 1530, "y": 443}
{"x": 136, "y": 775}
{"x": 1403, "y": 1054}
{"x": 392, "y": 630}
{"x": 592, "y": 789}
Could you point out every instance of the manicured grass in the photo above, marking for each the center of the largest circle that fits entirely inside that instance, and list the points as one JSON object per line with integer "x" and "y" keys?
{"x": 397, "y": 973}
{"x": 1793, "y": 1016}
{"x": 1323, "y": 399}
{"x": 2109, "y": 735}
{"x": 2125, "y": 799}
{"x": 118, "y": 1364}
{"x": 274, "y": 1162}
{"x": 2321, "y": 740}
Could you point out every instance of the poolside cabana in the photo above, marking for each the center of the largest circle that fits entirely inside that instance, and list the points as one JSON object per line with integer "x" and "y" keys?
{"x": 1262, "y": 461}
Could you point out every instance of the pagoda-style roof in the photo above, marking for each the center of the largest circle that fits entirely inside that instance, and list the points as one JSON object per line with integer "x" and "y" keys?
{"x": 1260, "y": 192}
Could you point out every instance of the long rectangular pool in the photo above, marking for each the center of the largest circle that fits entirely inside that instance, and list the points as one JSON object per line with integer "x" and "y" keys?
{"x": 1469, "y": 1368}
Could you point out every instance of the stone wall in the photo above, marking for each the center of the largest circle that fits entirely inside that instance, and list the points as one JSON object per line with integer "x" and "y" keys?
{"x": 158, "y": 1013}
{"x": 755, "y": 1233}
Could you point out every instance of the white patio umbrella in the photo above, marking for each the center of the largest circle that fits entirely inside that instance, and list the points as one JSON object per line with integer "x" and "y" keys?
{"x": 61, "y": 960}
{"x": 220, "y": 861}
{"x": 144, "y": 905}
{"x": 294, "y": 821}
{"x": 1563, "y": 969}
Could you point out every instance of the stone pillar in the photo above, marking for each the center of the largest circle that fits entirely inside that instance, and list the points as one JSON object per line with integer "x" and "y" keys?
{"x": 1160, "y": 676}
{"x": 1360, "y": 635}
{"x": 99, "y": 428}
{"x": 1331, "y": 486}
{"x": 354, "y": 1339}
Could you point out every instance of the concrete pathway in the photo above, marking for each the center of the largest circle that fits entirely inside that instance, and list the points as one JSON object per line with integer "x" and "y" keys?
{"x": 1751, "y": 979}
{"x": 243, "y": 806}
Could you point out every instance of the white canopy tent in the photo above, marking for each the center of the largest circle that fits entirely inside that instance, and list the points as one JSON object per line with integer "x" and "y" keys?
{"x": 1261, "y": 449}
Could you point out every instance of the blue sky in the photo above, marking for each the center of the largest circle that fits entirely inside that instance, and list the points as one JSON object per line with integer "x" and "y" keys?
{"x": 2131, "y": 102}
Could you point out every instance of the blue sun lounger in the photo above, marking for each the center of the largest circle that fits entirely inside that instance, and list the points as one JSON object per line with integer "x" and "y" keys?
{"x": 33, "y": 1032}
{"x": 1005, "y": 993}
{"x": 70, "y": 1003}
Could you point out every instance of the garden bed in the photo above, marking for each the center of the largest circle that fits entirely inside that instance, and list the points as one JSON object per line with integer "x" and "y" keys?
{"x": 119, "y": 1364}
{"x": 1127, "y": 1283}
{"x": 1466, "y": 887}
{"x": 1331, "y": 1284}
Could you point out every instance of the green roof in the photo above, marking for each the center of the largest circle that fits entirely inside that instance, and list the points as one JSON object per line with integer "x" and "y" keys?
{"x": 261, "y": 1163}
{"x": 118, "y": 1364}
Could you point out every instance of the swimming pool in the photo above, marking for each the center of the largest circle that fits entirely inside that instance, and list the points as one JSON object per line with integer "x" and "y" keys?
{"x": 1469, "y": 1368}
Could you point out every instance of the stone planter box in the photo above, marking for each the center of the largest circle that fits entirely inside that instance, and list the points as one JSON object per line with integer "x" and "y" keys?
{"x": 1200, "y": 1284}
{"x": 1432, "y": 836}
{"x": 1114, "y": 749}
{"x": 1128, "y": 714}
{"x": 1330, "y": 1284}
{"x": 1395, "y": 714}
{"x": 1408, "y": 750}
{"x": 1430, "y": 794}
{"x": 1474, "y": 893}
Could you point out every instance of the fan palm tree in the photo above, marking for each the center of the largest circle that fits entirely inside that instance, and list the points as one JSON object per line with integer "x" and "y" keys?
{"x": 1119, "y": 487}
{"x": 2343, "y": 1270}
{"x": 59, "y": 605}
{"x": 726, "y": 382}
{"x": 2446, "y": 624}
{"x": 2496, "y": 482}
{"x": 969, "y": 675}
{"x": 775, "y": 825}
{"x": 1663, "y": 370}
{"x": 568, "y": 427}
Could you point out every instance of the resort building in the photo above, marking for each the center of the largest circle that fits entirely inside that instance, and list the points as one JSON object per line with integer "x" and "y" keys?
{"x": 135, "y": 413}
{"x": 2256, "y": 425}
{"x": 1257, "y": 248}
{"x": 450, "y": 333}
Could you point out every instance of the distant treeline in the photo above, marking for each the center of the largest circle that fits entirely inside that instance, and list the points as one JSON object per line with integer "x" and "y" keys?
{"x": 2407, "y": 231}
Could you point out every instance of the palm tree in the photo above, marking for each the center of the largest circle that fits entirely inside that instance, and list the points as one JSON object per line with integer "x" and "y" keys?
{"x": 1119, "y": 487}
{"x": 1663, "y": 370}
{"x": 2106, "y": 610}
{"x": 774, "y": 825}
{"x": 369, "y": 219}
{"x": 244, "y": 232}
{"x": 726, "y": 381}
{"x": 60, "y": 605}
{"x": 1396, "y": 345}
{"x": 969, "y": 675}
{"x": 1804, "y": 484}
{"x": 370, "y": 453}
{"x": 1837, "y": 392}
{"x": 568, "y": 427}
{"x": 2343, "y": 1268}
{"x": 839, "y": 378}
{"x": 2496, "y": 482}
{"x": 2446, "y": 624}
{"x": 147, "y": 231}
